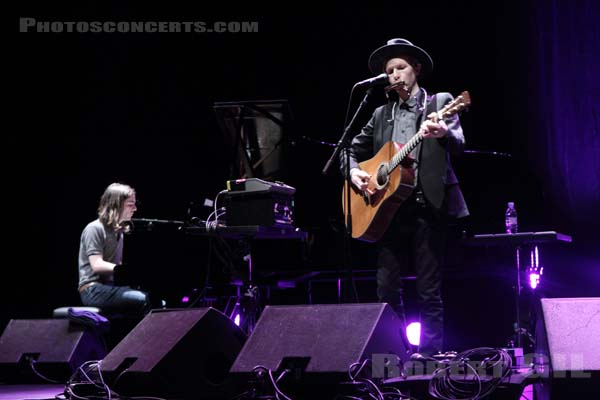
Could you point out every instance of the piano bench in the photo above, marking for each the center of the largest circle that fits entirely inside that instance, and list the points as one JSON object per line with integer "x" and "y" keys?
{"x": 63, "y": 312}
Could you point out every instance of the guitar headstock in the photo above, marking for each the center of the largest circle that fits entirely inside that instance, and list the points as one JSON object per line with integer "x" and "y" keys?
{"x": 460, "y": 103}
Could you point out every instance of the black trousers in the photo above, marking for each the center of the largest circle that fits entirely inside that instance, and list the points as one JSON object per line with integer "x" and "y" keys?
{"x": 414, "y": 243}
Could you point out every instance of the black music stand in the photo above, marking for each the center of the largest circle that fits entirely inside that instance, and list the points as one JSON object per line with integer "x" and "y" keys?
{"x": 256, "y": 132}
{"x": 247, "y": 291}
{"x": 517, "y": 241}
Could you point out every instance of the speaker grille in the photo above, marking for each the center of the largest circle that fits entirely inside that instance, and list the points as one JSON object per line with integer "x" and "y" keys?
{"x": 57, "y": 347}
{"x": 176, "y": 353}
{"x": 568, "y": 348}
{"x": 573, "y": 332}
{"x": 332, "y": 336}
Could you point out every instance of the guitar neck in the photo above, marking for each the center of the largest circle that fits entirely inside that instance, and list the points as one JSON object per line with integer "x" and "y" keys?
{"x": 455, "y": 106}
{"x": 405, "y": 151}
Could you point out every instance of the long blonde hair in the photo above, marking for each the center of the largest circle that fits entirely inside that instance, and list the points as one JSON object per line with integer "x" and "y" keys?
{"x": 112, "y": 203}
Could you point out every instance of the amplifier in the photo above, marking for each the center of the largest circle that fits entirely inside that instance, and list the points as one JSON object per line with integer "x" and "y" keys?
{"x": 272, "y": 209}
{"x": 254, "y": 185}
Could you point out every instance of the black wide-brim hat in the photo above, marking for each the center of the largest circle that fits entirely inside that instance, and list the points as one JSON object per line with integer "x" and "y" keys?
{"x": 395, "y": 48}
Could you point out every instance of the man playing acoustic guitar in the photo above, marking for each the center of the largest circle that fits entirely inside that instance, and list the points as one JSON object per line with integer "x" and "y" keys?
{"x": 404, "y": 203}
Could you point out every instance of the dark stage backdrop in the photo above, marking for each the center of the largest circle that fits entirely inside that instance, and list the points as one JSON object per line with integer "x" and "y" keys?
{"x": 93, "y": 108}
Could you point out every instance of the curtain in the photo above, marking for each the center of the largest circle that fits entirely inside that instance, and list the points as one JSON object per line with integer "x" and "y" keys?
{"x": 562, "y": 63}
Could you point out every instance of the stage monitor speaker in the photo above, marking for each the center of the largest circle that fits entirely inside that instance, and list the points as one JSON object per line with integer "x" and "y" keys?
{"x": 568, "y": 348}
{"x": 318, "y": 343}
{"x": 183, "y": 353}
{"x": 54, "y": 348}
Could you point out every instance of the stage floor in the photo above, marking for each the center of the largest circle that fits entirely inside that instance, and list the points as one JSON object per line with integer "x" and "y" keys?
{"x": 31, "y": 392}
{"x": 55, "y": 391}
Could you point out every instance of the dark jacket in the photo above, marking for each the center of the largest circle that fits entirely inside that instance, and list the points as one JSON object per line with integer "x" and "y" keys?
{"x": 436, "y": 176}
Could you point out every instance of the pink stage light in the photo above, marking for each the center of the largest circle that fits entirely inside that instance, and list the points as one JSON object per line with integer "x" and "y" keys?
{"x": 185, "y": 299}
{"x": 413, "y": 332}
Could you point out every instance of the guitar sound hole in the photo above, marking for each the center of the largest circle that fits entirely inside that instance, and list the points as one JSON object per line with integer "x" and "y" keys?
{"x": 382, "y": 175}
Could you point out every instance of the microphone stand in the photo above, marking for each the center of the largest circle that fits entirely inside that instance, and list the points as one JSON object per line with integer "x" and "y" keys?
{"x": 343, "y": 144}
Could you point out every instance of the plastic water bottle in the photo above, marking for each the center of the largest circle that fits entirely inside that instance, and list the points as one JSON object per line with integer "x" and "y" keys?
{"x": 512, "y": 225}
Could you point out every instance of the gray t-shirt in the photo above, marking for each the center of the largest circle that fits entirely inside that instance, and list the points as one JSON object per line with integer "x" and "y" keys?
{"x": 97, "y": 239}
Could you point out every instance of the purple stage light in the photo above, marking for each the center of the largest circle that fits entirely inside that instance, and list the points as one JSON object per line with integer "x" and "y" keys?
{"x": 535, "y": 271}
{"x": 185, "y": 299}
{"x": 236, "y": 320}
{"x": 413, "y": 332}
{"x": 534, "y": 280}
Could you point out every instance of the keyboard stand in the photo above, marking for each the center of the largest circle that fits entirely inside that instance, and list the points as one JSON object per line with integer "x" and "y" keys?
{"x": 247, "y": 301}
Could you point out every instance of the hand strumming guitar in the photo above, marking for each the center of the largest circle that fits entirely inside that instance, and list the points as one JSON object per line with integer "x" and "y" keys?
{"x": 360, "y": 178}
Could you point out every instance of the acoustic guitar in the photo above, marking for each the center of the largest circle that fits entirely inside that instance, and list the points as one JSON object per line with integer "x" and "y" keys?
{"x": 392, "y": 180}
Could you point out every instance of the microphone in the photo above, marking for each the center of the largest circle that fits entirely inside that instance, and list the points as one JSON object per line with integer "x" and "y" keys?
{"x": 381, "y": 79}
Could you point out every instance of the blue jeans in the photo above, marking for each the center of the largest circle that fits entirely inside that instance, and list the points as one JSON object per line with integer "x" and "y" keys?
{"x": 116, "y": 299}
{"x": 414, "y": 243}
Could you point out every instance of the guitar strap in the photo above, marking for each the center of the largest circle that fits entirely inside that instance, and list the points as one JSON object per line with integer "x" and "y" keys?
{"x": 432, "y": 106}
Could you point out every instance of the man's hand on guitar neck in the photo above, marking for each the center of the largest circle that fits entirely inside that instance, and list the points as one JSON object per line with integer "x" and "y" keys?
{"x": 432, "y": 128}
{"x": 360, "y": 178}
